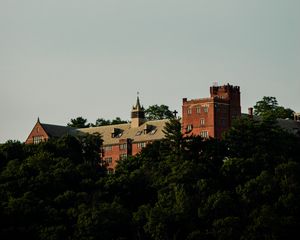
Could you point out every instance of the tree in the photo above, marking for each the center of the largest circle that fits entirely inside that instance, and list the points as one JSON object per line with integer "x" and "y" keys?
{"x": 103, "y": 122}
{"x": 79, "y": 122}
{"x": 268, "y": 108}
{"x": 118, "y": 120}
{"x": 44, "y": 187}
{"x": 156, "y": 112}
{"x": 173, "y": 136}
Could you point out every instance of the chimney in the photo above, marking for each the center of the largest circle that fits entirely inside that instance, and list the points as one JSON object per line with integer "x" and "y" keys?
{"x": 250, "y": 112}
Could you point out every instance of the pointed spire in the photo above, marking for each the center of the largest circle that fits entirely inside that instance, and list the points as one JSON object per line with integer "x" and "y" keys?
{"x": 138, "y": 104}
{"x": 38, "y": 120}
{"x": 137, "y": 114}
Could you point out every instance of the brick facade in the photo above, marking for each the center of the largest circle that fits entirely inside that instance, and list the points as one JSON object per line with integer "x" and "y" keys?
{"x": 210, "y": 117}
{"x": 37, "y": 134}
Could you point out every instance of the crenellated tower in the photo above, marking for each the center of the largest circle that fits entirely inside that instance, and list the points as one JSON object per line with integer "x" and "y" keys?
{"x": 210, "y": 117}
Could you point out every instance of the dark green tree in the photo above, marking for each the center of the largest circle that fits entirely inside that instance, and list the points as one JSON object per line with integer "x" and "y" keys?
{"x": 103, "y": 122}
{"x": 156, "y": 112}
{"x": 118, "y": 120}
{"x": 245, "y": 186}
{"x": 42, "y": 187}
{"x": 268, "y": 108}
{"x": 78, "y": 122}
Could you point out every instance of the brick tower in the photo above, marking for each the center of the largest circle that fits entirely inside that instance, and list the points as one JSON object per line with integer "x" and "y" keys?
{"x": 210, "y": 117}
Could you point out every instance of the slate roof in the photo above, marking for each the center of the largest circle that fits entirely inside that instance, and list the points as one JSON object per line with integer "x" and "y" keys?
{"x": 154, "y": 131}
{"x": 291, "y": 126}
{"x": 56, "y": 130}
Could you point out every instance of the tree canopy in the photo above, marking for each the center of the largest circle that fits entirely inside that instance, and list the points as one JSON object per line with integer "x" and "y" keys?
{"x": 156, "y": 112}
{"x": 78, "y": 122}
{"x": 245, "y": 186}
{"x": 81, "y": 122}
{"x": 268, "y": 108}
{"x": 104, "y": 122}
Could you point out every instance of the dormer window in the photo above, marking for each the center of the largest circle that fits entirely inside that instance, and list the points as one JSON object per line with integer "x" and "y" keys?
{"x": 116, "y": 133}
{"x": 147, "y": 128}
{"x": 153, "y": 131}
{"x": 138, "y": 133}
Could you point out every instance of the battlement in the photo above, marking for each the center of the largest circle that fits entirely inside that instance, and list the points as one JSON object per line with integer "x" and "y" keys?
{"x": 214, "y": 90}
{"x": 225, "y": 92}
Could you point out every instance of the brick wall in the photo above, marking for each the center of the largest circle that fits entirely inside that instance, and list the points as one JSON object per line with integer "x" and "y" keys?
{"x": 36, "y": 133}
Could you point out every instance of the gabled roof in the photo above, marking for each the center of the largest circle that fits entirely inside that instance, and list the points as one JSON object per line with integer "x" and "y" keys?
{"x": 148, "y": 131}
{"x": 289, "y": 125}
{"x": 56, "y": 130}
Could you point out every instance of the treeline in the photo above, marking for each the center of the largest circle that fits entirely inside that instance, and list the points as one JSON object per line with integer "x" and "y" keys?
{"x": 246, "y": 186}
{"x": 153, "y": 112}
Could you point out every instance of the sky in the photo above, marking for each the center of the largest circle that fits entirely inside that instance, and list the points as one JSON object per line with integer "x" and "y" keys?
{"x": 60, "y": 59}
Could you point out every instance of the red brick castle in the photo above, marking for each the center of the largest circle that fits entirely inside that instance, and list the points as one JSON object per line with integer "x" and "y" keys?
{"x": 210, "y": 117}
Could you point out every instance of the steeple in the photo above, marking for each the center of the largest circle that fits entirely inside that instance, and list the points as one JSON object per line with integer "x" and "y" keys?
{"x": 138, "y": 104}
{"x": 137, "y": 114}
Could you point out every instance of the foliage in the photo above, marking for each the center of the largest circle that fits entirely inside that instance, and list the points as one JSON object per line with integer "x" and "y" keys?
{"x": 78, "y": 122}
{"x": 103, "y": 122}
{"x": 44, "y": 187}
{"x": 246, "y": 186}
{"x": 268, "y": 108}
{"x": 156, "y": 112}
{"x": 81, "y": 122}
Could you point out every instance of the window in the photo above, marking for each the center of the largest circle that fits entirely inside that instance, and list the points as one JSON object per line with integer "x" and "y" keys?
{"x": 37, "y": 139}
{"x": 153, "y": 131}
{"x": 141, "y": 145}
{"x": 138, "y": 133}
{"x": 116, "y": 133}
{"x": 107, "y": 148}
{"x": 119, "y": 135}
{"x": 189, "y": 111}
{"x": 123, "y": 146}
{"x": 204, "y": 134}
{"x": 108, "y": 160}
{"x": 189, "y": 127}
{"x": 202, "y": 121}
{"x": 198, "y": 110}
{"x": 223, "y": 122}
{"x": 123, "y": 156}
{"x": 205, "y": 109}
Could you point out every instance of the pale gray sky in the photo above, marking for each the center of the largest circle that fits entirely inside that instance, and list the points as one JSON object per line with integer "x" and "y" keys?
{"x": 60, "y": 59}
